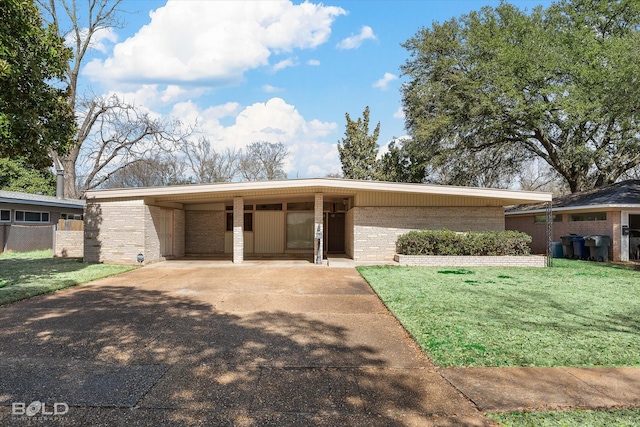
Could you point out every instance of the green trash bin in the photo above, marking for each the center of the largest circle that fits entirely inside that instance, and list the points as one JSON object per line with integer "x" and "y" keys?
{"x": 598, "y": 247}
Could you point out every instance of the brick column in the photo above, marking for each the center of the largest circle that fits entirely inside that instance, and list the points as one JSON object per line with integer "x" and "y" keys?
{"x": 318, "y": 229}
{"x": 238, "y": 232}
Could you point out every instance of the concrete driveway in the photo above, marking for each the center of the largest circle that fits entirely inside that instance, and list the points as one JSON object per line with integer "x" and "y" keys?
{"x": 191, "y": 344}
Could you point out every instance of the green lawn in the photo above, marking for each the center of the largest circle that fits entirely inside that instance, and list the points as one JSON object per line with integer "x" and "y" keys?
{"x": 24, "y": 275}
{"x": 576, "y": 313}
{"x": 613, "y": 418}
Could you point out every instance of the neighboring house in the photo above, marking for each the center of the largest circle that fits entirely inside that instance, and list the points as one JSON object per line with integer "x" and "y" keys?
{"x": 26, "y": 220}
{"x": 298, "y": 218}
{"x": 609, "y": 210}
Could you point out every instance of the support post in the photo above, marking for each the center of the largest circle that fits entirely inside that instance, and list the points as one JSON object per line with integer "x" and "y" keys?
{"x": 238, "y": 230}
{"x": 318, "y": 229}
{"x": 549, "y": 235}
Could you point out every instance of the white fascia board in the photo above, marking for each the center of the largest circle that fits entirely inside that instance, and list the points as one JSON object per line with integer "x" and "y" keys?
{"x": 240, "y": 187}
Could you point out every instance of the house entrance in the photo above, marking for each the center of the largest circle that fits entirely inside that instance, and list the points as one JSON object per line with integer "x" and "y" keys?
{"x": 334, "y": 232}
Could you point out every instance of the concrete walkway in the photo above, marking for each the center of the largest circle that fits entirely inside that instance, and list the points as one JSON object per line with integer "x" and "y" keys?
{"x": 264, "y": 344}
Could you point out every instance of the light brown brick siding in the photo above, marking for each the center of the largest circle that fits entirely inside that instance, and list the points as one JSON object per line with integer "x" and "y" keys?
{"x": 114, "y": 231}
{"x": 68, "y": 244}
{"x": 151, "y": 239}
{"x": 538, "y": 231}
{"x": 376, "y": 229}
{"x": 204, "y": 232}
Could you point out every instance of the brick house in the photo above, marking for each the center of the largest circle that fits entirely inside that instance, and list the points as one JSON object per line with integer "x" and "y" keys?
{"x": 307, "y": 218}
{"x": 608, "y": 210}
{"x": 26, "y": 220}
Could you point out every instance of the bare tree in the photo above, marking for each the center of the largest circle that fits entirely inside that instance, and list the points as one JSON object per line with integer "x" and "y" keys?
{"x": 112, "y": 133}
{"x": 153, "y": 172}
{"x": 208, "y": 165}
{"x": 264, "y": 161}
{"x": 536, "y": 175}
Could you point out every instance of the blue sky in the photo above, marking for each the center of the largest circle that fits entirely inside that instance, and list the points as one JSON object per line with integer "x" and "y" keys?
{"x": 269, "y": 71}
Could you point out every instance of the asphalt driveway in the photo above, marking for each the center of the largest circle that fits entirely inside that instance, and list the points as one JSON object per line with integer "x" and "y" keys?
{"x": 191, "y": 344}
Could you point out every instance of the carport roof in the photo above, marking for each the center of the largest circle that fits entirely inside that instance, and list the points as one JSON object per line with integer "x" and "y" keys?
{"x": 318, "y": 185}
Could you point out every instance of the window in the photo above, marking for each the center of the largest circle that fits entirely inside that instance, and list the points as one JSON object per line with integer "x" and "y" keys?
{"x": 300, "y": 230}
{"x": 26, "y": 216}
{"x": 248, "y": 221}
{"x": 543, "y": 218}
{"x": 5, "y": 215}
{"x": 301, "y": 206}
{"x": 269, "y": 207}
{"x": 591, "y": 216}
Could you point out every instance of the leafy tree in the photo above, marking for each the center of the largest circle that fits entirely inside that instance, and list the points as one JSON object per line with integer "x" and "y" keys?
{"x": 16, "y": 175}
{"x": 559, "y": 84}
{"x": 34, "y": 115}
{"x": 359, "y": 150}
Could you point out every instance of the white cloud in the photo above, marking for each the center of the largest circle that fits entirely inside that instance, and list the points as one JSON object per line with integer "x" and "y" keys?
{"x": 214, "y": 41}
{"x": 355, "y": 41}
{"x": 272, "y": 121}
{"x": 98, "y": 40}
{"x": 313, "y": 62}
{"x": 383, "y": 83}
{"x": 271, "y": 89}
{"x": 399, "y": 114}
{"x": 154, "y": 97}
{"x": 285, "y": 63}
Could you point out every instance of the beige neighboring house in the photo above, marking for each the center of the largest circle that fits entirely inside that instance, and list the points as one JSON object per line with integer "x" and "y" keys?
{"x": 299, "y": 218}
{"x": 613, "y": 210}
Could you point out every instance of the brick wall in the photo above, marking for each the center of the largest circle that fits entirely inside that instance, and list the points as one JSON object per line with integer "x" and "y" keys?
{"x": 68, "y": 243}
{"x": 114, "y": 231}
{"x": 376, "y": 229}
{"x": 470, "y": 261}
{"x": 538, "y": 231}
{"x": 204, "y": 232}
{"x": 151, "y": 237}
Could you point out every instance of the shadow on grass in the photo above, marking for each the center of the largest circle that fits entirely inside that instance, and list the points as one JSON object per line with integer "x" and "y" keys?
{"x": 269, "y": 367}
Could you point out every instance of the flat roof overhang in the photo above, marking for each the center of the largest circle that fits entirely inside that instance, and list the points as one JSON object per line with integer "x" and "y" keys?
{"x": 330, "y": 187}
{"x": 570, "y": 209}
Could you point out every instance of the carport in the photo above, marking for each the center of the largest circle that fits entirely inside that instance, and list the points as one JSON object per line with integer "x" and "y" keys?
{"x": 305, "y": 218}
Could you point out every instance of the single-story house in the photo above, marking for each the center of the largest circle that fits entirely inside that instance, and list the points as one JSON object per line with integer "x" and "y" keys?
{"x": 299, "y": 218}
{"x": 26, "y": 220}
{"x": 611, "y": 210}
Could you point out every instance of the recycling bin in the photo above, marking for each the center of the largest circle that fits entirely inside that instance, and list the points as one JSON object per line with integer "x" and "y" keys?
{"x": 556, "y": 250}
{"x": 598, "y": 247}
{"x": 579, "y": 249}
{"x": 567, "y": 245}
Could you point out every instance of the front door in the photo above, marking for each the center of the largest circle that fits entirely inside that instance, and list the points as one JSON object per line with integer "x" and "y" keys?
{"x": 335, "y": 232}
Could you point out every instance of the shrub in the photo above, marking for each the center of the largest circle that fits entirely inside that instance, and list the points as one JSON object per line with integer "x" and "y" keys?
{"x": 447, "y": 242}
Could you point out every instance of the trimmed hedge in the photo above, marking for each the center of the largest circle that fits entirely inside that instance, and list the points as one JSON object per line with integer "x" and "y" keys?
{"x": 447, "y": 242}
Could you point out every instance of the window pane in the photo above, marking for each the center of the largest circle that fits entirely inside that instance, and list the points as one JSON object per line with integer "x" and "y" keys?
{"x": 300, "y": 230}
{"x": 269, "y": 207}
{"x": 5, "y": 215}
{"x": 301, "y": 206}
{"x": 229, "y": 221}
{"x": 32, "y": 216}
{"x": 19, "y": 216}
{"x": 248, "y": 221}
{"x": 45, "y": 216}
{"x": 591, "y": 216}
{"x": 543, "y": 218}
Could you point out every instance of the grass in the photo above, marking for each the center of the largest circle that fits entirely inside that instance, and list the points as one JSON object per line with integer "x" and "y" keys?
{"x": 612, "y": 418}
{"x": 576, "y": 313}
{"x": 27, "y": 274}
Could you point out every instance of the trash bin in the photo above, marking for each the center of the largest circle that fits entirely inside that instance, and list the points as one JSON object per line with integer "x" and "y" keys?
{"x": 579, "y": 249}
{"x": 598, "y": 247}
{"x": 567, "y": 245}
{"x": 556, "y": 250}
